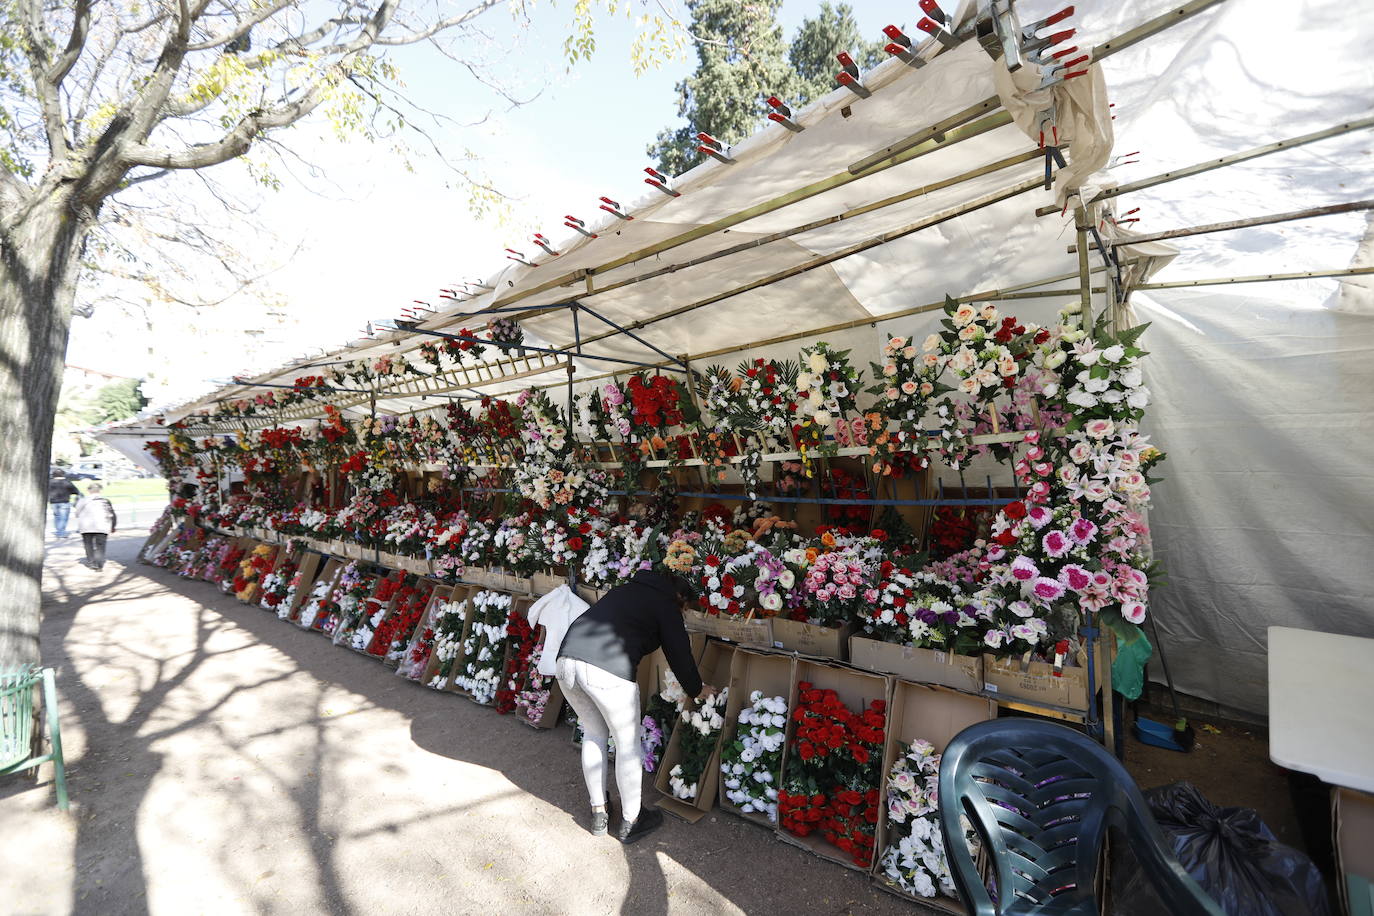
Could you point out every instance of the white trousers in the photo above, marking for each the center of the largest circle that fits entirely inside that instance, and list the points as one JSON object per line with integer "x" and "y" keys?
{"x": 606, "y": 706}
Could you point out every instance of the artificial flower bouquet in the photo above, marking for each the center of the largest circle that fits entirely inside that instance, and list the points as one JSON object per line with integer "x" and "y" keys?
{"x": 277, "y": 585}
{"x": 832, "y": 772}
{"x": 394, "y": 634}
{"x": 751, "y": 764}
{"x": 522, "y": 638}
{"x": 444, "y": 642}
{"x": 484, "y": 649}
{"x": 656, "y": 729}
{"x": 699, "y": 726}
{"x": 913, "y": 857}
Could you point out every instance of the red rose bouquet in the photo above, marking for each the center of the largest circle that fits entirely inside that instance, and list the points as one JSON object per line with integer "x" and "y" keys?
{"x": 833, "y": 770}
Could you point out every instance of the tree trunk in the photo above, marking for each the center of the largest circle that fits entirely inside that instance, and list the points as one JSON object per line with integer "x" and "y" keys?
{"x": 39, "y": 261}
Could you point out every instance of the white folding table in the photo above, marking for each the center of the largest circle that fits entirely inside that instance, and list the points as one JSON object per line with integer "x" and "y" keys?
{"x": 1321, "y": 705}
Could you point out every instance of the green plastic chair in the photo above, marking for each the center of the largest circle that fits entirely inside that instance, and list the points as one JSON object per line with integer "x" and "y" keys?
{"x": 1041, "y": 797}
{"x": 16, "y": 725}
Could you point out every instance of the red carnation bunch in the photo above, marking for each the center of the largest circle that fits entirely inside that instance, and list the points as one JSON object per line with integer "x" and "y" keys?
{"x": 394, "y": 633}
{"x": 833, "y": 769}
{"x": 522, "y": 640}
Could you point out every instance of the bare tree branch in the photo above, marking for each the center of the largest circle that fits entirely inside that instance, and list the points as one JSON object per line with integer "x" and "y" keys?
{"x": 242, "y": 28}
{"x": 233, "y": 144}
{"x": 440, "y": 26}
{"x": 81, "y": 26}
{"x": 38, "y": 48}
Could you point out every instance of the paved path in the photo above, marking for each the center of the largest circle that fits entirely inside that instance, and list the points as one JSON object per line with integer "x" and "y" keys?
{"x": 222, "y": 761}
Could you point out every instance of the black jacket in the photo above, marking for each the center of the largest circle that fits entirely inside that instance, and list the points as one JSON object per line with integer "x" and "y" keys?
{"x": 631, "y": 622}
{"x": 61, "y": 490}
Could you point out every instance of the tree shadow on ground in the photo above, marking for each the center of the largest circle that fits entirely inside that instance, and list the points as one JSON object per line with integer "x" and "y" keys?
{"x": 682, "y": 867}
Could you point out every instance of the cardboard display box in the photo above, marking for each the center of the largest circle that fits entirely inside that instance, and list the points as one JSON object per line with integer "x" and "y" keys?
{"x": 461, "y": 593}
{"x": 1352, "y": 822}
{"x": 812, "y": 640}
{"x": 935, "y": 714}
{"x": 651, "y": 676}
{"x": 715, "y": 667}
{"x": 330, "y": 573}
{"x": 440, "y": 594}
{"x": 921, "y": 666}
{"x": 752, "y": 632}
{"x": 856, "y": 689}
{"x": 309, "y": 567}
{"x": 775, "y": 675}
{"x": 1037, "y": 682}
{"x": 541, "y": 583}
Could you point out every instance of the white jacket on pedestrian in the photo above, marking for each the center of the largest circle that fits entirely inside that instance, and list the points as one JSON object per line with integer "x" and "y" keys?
{"x": 94, "y": 515}
{"x": 555, "y": 611}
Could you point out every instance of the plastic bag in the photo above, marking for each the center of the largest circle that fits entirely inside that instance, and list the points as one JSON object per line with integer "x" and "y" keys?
{"x": 1231, "y": 853}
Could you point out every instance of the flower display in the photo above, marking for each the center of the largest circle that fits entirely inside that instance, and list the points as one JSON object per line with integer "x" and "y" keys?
{"x": 835, "y": 761}
{"x": 914, "y": 858}
{"x": 750, "y": 764}
{"x": 484, "y": 650}
{"x": 505, "y": 332}
{"x": 446, "y": 643}
{"x": 700, "y": 725}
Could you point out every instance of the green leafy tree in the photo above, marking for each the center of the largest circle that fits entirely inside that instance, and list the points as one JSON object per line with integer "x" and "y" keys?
{"x": 103, "y": 103}
{"x": 741, "y": 60}
{"x": 819, "y": 38}
{"x": 119, "y": 400}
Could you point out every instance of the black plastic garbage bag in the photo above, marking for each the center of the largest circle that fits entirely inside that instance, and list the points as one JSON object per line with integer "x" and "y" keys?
{"x": 1231, "y": 853}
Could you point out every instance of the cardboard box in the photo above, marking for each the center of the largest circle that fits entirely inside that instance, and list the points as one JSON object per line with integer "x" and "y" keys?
{"x": 856, "y": 689}
{"x": 432, "y": 665}
{"x": 1352, "y": 823}
{"x": 651, "y": 674}
{"x": 330, "y": 573}
{"x": 440, "y": 593}
{"x": 715, "y": 667}
{"x": 775, "y": 675}
{"x": 309, "y": 567}
{"x": 754, "y": 632}
{"x": 812, "y": 640}
{"x": 417, "y": 565}
{"x": 935, "y": 714}
{"x": 921, "y": 666}
{"x": 1036, "y": 682}
{"x": 541, "y": 583}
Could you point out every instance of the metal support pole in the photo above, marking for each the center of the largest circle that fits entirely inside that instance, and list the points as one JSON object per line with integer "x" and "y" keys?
{"x": 627, "y": 332}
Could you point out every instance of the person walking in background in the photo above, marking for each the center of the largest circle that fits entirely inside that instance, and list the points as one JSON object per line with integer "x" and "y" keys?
{"x": 95, "y": 519}
{"x": 60, "y": 493}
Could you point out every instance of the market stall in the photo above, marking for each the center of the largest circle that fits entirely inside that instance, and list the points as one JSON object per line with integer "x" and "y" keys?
{"x": 872, "y": 381}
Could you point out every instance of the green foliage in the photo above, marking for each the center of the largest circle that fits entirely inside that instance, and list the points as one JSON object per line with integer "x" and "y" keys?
{"x": 742, "y": 59}
{"x": 812, "y": 55}
{"x": 119, "y": 400}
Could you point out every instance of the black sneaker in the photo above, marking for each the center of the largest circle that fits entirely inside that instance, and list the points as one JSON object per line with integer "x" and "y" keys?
{"x": 601, "y": 822}
{"x": 649, "y": 820}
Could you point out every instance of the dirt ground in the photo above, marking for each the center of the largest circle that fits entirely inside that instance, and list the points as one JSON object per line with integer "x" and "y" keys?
{"x": 221, "y": 761}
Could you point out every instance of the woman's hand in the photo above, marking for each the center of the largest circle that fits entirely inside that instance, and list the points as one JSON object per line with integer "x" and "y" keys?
{"x": 707, "y": 691}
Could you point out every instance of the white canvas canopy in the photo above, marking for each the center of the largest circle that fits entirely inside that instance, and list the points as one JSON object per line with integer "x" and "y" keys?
{"x": 1261, "y": 391}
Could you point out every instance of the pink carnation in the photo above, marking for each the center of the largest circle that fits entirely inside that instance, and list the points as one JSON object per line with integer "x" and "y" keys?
{"x": 1056, "y": 544}
{"x": 1039, "y": 516}
{"x": 1024, "y": 569}
{"x": 1047, "y": 589}
{"x": 1083, "y": 530}
{"x": 1133, "y": 611}
{"x": 1075, "y": 577}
